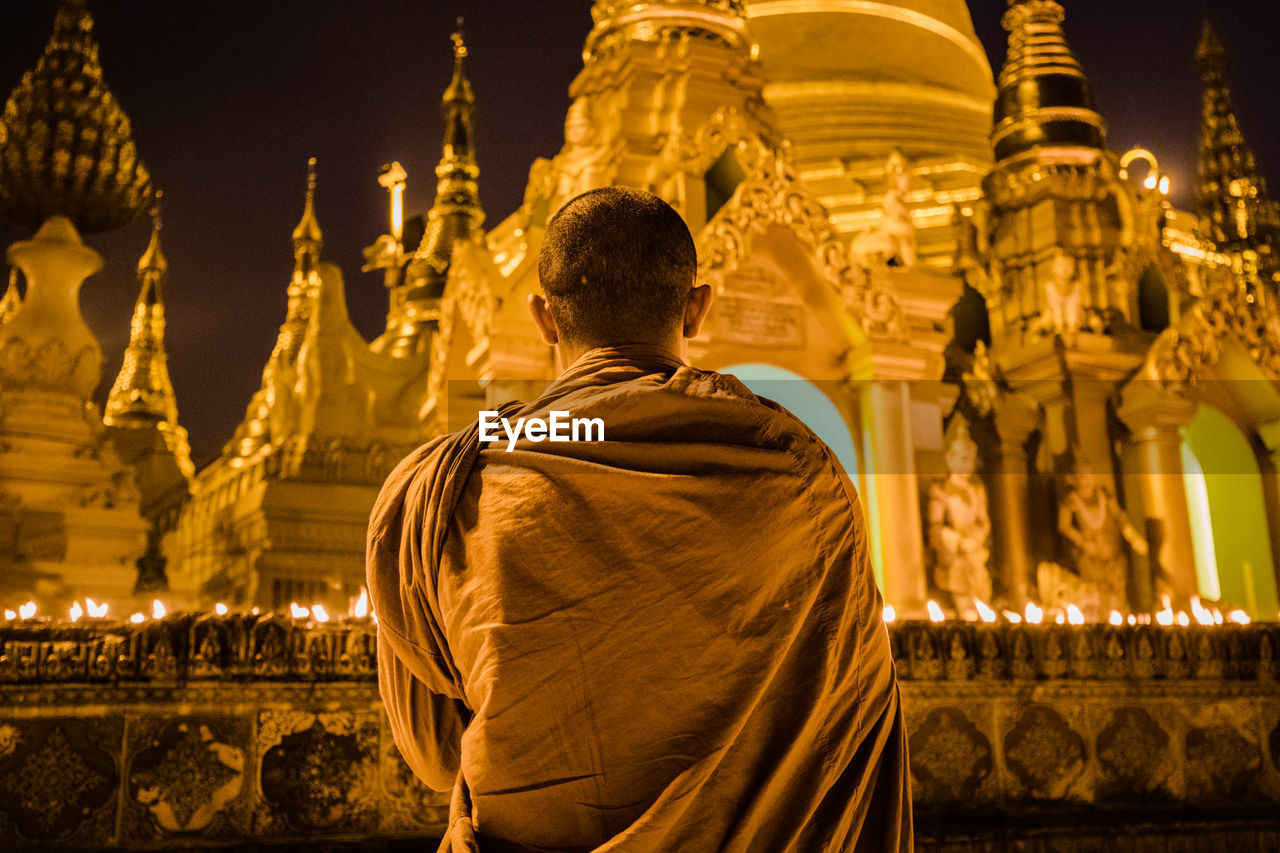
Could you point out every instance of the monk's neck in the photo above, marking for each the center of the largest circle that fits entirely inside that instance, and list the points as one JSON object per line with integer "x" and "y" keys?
{"x": 568, "y": 354}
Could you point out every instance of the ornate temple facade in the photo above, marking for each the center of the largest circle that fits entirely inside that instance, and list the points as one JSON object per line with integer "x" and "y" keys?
{"x": 1048, "y": 384}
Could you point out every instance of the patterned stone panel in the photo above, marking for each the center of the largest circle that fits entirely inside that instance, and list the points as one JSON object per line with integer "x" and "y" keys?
{"x": 408, "y": 805}
{"x": 1045, "y": 755}
{"x": 951, "y": 756}
{"x": 1224, "y": 754}
{"x": 317, "y": 773}
{"x": 1136, "y": 755}
{"x": 188, "y": 777}
{"x": 59, "y": 780}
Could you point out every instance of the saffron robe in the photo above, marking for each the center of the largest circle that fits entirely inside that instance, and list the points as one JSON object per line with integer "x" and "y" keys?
{"x": 667, "y": 640}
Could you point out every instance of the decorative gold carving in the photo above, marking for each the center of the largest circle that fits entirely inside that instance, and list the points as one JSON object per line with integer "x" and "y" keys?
{"x": 772, "y": 195}
{"x": 66, "y": 147}
{"x": 1229, "y": 307}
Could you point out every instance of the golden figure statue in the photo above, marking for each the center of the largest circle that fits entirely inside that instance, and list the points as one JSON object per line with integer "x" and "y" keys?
{"x": 895, "y": 237}
{"x": 959, "y": 526}
{"x": 1094, "y": 523}
{"x": 1064, "y": 311}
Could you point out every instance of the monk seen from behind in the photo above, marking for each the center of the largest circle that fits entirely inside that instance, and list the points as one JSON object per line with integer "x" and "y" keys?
{"x": 663, "y": 638}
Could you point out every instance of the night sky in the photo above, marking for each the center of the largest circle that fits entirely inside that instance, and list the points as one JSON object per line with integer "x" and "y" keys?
{"x": 230, "y": 97}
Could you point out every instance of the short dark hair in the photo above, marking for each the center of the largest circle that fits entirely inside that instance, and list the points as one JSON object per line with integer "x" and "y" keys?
{"x": 616, "y": 265}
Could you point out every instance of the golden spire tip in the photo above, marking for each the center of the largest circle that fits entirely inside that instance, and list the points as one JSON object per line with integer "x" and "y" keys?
{"x": 459, "y": 44}
{"x": 311, "y": 178}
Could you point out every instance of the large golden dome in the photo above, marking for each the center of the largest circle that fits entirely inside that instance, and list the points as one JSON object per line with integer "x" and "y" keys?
{"x": 850, "y": 79}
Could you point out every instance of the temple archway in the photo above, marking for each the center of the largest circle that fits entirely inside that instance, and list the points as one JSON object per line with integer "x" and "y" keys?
{"x": 1227, "y": 505}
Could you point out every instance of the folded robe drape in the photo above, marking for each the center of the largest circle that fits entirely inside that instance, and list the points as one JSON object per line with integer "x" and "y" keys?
{"x": 667, "y": 640}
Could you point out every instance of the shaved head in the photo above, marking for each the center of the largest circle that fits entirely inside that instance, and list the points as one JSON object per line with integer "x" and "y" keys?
{"x": 616, "y": 265}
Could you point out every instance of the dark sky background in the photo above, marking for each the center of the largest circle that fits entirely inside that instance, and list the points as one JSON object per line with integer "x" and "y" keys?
{"x": 230, "y": 97}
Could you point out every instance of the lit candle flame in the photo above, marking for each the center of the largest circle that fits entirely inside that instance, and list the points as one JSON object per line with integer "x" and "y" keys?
{"x": 10, "y": 615}
{"x": 985, "y": 613}
{"x": 935, "y": 612}
{"x": 157, "y": 609}
{"x": 1165, "y": 616}
{"x": 1074, "y": 616}
{"x": 1061, "y": 618}
{"x": 1116, "y": 618}
{"x": 27, "y": 611}
{"x": 298, "y": 611}
{"x": 361, "y": 608}
{"x": 138, "y": 618}
{"x": 1239, "y": 617}
{"x": 1034, "y": 614}
{"x": 220, "y": 609}
{"x": 76, "y": 611}
{"x": 1202, "y": 614}
{"x": 319, "y": 613}
{"x": 1183, "y": 619}
{"x": 96, "y": 611}
{"x": 889, "y": 613}
{"x": 1014, "y": 618}
{"x": 1217, "y": 616}
{"x": 1132, "y": 620}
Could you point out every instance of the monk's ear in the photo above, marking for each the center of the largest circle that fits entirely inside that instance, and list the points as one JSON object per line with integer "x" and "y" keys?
{"x": 696, "y": 308}
{"x": 543, "y": 320}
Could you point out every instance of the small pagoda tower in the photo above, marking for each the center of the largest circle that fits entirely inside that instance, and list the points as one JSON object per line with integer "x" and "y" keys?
{"x": 1237, "y": 211}
{"x": 141, "y": 414}
{"x": 417, "y": 284}
{"x": 70, "y": 512}
{"x": 281, "y": 515}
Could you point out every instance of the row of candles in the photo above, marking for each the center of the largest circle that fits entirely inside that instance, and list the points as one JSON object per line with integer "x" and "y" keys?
{"x": 1073, "y": 615}
{"x": 97, "y": 611}
{"x": 1032, "y": 614}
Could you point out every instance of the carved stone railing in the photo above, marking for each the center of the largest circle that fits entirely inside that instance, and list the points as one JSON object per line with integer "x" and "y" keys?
{"x": 217, "y": 729}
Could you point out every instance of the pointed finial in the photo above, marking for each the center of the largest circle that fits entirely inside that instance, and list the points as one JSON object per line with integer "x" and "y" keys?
{"x": 308, "y": 230}
{"x": 153, "y": 260}
{"x": 459, "y": 44}
{"x": 155, "y": 210}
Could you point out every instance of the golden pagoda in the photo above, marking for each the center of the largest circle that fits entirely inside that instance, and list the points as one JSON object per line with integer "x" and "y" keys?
{"x": 141, "y": 415}
{"x": 281, "y": 515}
{"x": 71, "y": 508}
{"x": 66, "y": 147}
{"x": 1239, "y": 214}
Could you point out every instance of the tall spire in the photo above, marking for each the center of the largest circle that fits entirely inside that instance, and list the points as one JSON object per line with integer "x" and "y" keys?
{"x": 455, "y": 216}
{"x": 1238, "y": 212}
{"x": 307, "y": 243}
{"x": 67, "y": 147}
{"x": 457, "y": 192}
{"x": 143, "y": 394}
{"x": 307, "y": 237}
{"x": 1044, "y": 97}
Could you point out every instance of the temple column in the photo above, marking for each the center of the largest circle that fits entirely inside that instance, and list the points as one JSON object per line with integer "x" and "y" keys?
{"x": 1270, "y": 435}
{"x": 895, "y": 505}
{"x": 1154, "y": 419}
{"x": 1016, "y": 417}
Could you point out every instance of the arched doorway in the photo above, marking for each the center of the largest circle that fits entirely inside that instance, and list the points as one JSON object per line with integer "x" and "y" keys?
{"x": 808, "y": 402}
{"x": 1226, "y": 502}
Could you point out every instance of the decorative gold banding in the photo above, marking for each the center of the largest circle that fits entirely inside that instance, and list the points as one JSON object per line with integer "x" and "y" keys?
{"x": 1044, "y": 115}
{"x": 859, "y": 89}
{"x": 873, "y": 8}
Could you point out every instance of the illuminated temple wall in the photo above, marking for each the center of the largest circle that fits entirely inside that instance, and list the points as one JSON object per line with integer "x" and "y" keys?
{"x": 199, "y": 729}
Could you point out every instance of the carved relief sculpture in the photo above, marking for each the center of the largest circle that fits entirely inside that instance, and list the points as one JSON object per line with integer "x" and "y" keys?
{"x": 1094, "y": 523}
{"x": 895, "y": 238}
{"x": 959, "y": 526}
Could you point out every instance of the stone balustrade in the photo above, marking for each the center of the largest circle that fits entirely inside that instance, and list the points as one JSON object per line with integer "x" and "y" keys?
{"x": 217, "y": 729}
